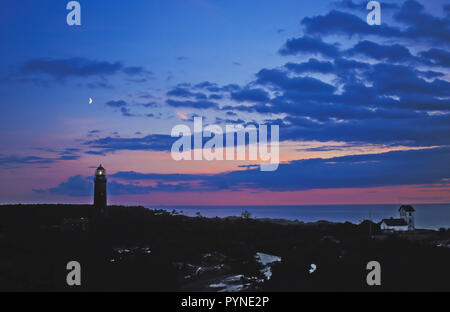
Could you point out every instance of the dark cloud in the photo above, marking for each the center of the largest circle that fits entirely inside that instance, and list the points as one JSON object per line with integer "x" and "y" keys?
{"x": 304, "y": 85}
{"x": 195, "y": 104}
{"x": 99, "y": 153}
{"x": 312, "y": 66}
{"x": 377, "y": 103}
{"x": 185, "y": 93}
{"x": 309, "y": 45}
{"x": 96, "y": 85}
{"x": 78, "y": 186}
{"x": 214, "y": 87}
{"x": 250, "y": 95}
{"x": 342, "y": 23}
{"x": 24, "y": 160}
{"x": 386, "y": 99}
{"x": 167, "y": 177}
{"x": 392, "y": 53}
{"x": 419, "y": 24}
{"x": 78, "y": 67}
{"x": 400, "y": 80}
{"x": 413, "y": 167}
{"x": 14, "y": 161}
{"x": 116, "y": 104}
{"x": 446, "y": 9}
{"x": 426, "y": 130}
{"x": 436, "y": 57}
{"x": 345, "y": 70}
{"x": 362, "y": 5}
{"x": 149, "y": 104}
{"x": 153, "y": 142}
{"x": 126, "y": 112}
{"x": 215, "y": 96}
{"x": 430, "y": 74}
{"x": 74, "y": 186}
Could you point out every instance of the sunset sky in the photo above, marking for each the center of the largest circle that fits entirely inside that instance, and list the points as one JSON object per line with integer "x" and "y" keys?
{"x": 363, "y": 110}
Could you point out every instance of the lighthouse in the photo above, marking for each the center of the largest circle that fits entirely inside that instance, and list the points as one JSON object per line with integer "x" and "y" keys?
{"x": 100, "y": 208}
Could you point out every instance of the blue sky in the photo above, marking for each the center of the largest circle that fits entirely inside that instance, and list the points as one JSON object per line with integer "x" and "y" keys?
{"x": 337, "y": 87}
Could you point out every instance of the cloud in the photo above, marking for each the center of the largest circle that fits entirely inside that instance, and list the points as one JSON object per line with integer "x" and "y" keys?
{"x": 74, "y": 186}
{"x": 95, "y": 131}
{"x": 419, "y": 24}
{"x": 214, "y": 87}
{"x": 414, "y": 167}
{"x": 185, "y": 93}
{"x": 375, "y": 91}
{"x": 309, "y": 45}
{"x": 126, "y": 112}
{"x": 390, "y": 53}
{"x": 361, "y": 6}
{"x": 370, "y": 106}
{"x": 153, "y": 142}
{"x": 100, "y": 153}
{"x": 304, "y": 85}
{"x": 167, "y": 177}
{"x": 342, "y": 23}
{"x": 201, "y": 104}
{"x": 312, "y": 66}
{"x": 77, "y": 67}
{"x": 117, "y": 104}
{"x": 149, "y": 104}
{"x": 345, "y": 70}
{"x": 428, "y": 130}
{"x": 398, "y": 79}
{"x": 24, "y": 160}
{"x": 250, "y": 95}
{"x": 436, "y": 57}
{"x": 79, "y": 186}
{"x": 15, "y": 161}
{"x": 215, "y": 97}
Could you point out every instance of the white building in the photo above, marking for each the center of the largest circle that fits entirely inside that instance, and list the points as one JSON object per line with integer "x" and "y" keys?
{"x": 403, "y": 224}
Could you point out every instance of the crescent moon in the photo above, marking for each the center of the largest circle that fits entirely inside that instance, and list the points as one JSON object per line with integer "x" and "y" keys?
{"x": 90, "y": 100}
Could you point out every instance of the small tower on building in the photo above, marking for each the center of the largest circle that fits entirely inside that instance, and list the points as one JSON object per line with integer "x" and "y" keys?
{"x": 407, "y": 214}
{"x": 100, "y": 207}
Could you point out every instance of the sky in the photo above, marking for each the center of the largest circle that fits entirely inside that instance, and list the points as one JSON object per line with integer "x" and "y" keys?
{"x": 363, "y": 110}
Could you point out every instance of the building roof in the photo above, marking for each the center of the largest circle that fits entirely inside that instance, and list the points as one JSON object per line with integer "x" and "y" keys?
{"x": 406, "y": 208}
{"x": 100, "y": 167}
{"x": 394, "y": 222}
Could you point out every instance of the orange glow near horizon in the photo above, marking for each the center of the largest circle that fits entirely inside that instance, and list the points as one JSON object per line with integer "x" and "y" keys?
{"x": 48, "y": 176}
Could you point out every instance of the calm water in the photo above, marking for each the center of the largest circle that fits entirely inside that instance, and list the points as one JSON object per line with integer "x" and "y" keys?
{"x": 428, "y": 216}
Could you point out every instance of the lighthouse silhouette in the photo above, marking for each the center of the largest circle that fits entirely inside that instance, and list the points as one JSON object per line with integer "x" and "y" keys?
{"x": 100, "y": 207}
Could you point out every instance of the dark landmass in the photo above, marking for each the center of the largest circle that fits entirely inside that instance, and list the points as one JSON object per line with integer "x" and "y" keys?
{"x": 137, "y": 249}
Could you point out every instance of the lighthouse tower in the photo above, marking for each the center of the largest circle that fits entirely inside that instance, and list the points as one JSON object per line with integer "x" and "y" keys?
{"x": 100, "y": 208}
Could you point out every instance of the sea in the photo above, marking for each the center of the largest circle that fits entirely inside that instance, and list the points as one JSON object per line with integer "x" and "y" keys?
{"x": 427, "y": 216}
